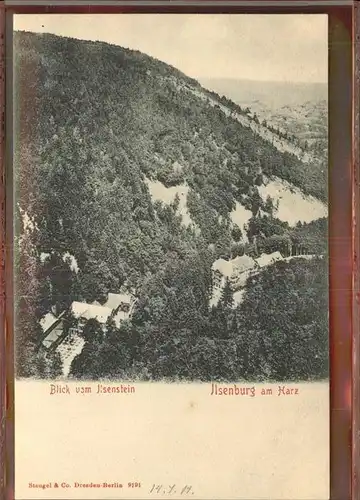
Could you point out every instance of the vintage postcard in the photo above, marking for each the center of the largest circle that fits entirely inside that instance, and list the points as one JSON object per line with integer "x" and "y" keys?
{"x": 170, "y": 179}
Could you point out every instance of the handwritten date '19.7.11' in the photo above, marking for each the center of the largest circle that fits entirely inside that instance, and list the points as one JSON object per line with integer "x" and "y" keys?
{"x": 171, "y": 489}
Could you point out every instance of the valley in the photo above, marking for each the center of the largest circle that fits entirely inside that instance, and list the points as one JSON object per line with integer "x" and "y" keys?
{"x": 133, "y": 181}
{"x": 297, "y": 110}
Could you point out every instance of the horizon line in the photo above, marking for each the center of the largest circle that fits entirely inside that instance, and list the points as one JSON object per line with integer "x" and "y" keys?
{"x": 260, "y": 81}
{"x": 198, "y": 78}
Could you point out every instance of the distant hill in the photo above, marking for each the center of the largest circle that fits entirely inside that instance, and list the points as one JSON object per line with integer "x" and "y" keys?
{"x": 145, "y": 178}
{"x": 274, "y": 94}
{"x": 300, "y": 109}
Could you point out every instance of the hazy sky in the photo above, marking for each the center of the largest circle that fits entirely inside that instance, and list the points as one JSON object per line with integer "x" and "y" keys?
{"x": 257, "y": 47}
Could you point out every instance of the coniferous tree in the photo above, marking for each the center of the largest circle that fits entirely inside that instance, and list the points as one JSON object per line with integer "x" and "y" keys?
{"x": 227, "y": 296}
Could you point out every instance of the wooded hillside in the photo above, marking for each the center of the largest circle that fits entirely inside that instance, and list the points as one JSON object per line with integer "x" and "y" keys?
{"x": 94, "y": 123}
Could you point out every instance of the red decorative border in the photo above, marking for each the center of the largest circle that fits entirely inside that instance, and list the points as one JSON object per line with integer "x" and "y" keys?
{"x": 344, "y": 242}
{"x": 3, "y": 343}
{"x": 356, "y": 261}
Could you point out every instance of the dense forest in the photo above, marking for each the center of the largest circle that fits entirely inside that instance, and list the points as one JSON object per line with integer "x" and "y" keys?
{"x": 94, "y": 123}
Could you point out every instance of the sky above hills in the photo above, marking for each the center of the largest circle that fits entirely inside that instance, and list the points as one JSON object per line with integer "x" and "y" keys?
{"x": 286, "y": 48}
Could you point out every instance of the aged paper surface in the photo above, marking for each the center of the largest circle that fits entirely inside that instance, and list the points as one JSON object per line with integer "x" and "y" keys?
{"x": 171, "y": 289}
{"x": 223, "y": 447}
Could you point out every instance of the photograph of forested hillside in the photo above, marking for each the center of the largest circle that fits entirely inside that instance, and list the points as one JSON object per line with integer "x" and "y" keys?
{"x": 165, "y": 230}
